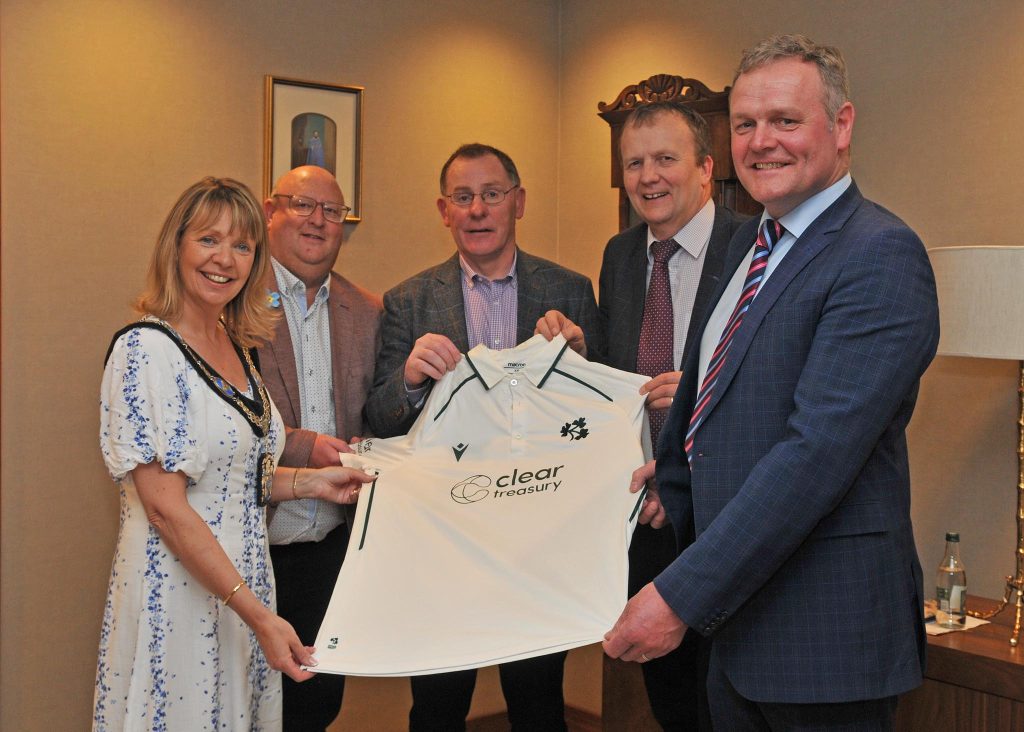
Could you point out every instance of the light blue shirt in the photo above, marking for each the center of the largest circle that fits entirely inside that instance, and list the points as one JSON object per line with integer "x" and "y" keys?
{"x": 310, "y": 329}
{"x": 795, "y": 223}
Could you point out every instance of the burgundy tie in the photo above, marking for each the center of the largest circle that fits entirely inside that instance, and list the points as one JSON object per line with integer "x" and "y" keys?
{"x": 655, "y": 353}
{"x": 769, "y": 235}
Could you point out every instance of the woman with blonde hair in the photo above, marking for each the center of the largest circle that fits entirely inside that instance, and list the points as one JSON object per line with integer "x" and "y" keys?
{"x": 190, "y": 639}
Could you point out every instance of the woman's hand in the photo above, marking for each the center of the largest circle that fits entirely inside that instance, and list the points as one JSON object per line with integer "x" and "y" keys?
{"x": 282, "y": 647}
{"x": 334, "y": 483}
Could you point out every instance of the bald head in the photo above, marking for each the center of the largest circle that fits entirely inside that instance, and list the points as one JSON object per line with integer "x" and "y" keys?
{"x": 307, "y": 246}
{"x": 308, "y": 175}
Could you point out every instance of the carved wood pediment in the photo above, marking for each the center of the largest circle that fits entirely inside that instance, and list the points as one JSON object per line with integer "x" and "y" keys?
{"x": 661, "y": 88}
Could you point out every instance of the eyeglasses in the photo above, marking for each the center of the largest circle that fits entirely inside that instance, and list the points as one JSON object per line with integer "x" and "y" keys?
{"x": 490, "y": 196}
{"x": 303, "y": 206}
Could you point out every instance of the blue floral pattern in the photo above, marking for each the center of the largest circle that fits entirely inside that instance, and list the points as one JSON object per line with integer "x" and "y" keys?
{"x": 171, "y": 656}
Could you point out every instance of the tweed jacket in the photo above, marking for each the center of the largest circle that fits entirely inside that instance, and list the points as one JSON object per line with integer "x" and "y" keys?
{"x": 354, "y": 317}
{"x": 432, "y": 302}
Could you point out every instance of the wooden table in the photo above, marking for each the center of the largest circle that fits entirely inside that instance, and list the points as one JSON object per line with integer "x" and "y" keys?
{"x": 974, "y": 681}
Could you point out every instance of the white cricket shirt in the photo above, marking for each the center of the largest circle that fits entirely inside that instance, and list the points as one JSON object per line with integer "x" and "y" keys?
{"x": 498, "y": 528}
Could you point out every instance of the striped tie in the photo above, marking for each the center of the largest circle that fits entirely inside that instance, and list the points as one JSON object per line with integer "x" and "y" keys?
{"x": 770, "y": 233}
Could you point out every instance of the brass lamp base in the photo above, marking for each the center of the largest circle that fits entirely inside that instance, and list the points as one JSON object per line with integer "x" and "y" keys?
{"x": 1015, "y": 585}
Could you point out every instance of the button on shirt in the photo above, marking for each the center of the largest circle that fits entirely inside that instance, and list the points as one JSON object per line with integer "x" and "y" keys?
{"x": 684, "y": 268}
{"x": 310, "y": 330}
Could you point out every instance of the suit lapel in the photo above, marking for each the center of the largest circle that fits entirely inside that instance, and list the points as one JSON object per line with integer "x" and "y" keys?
{"x": 449, "y": 303}
{"x": 636, "y": 282}
{"x": 284, "y": 360}
{"x": 710, "y": 274}
{"x": 339, "y": 318}
{"x": 528, "y": 295}
{"x": 816, "y": 238}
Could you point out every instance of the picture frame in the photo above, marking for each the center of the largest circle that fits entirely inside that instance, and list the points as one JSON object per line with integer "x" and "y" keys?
{"x": 314, "y": 123}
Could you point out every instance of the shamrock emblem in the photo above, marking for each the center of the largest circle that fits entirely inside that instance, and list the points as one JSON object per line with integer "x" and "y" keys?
{"x": 575, "y": 430}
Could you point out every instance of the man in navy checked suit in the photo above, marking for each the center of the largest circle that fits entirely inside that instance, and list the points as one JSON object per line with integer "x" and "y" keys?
{"x": 804, "y": 572}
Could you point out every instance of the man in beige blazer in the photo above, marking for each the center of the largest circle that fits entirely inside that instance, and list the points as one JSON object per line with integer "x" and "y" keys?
{"x": 318, "y": 369}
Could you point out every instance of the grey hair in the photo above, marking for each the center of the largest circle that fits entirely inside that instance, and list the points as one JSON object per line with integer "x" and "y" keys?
{"x": 828, "y": 59}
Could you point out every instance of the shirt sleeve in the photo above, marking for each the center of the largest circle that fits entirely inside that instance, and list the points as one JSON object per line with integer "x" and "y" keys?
{"x": 147, "y": 409}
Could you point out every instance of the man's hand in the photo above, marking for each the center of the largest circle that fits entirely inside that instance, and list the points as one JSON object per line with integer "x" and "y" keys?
{"x": 325, "y": 451}
{"x": 432, "y": 357}
{"x": 647, "y": 628}
{"x": 661, "y": 389}
{"x": 652, "y": 512}
{"x": 553, "y": 322}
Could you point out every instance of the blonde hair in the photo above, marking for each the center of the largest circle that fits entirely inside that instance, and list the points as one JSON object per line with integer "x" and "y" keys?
{"x": 248, "y": 317}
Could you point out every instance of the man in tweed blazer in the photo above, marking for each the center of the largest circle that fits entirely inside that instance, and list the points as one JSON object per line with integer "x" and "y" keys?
{"x": 489, "y": 292}
{"x": 804, "y": 572}
{"x": 336, "y": 327}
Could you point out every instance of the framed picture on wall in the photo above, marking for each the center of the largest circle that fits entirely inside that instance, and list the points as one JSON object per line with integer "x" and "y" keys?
{"x": 310, "y": 123}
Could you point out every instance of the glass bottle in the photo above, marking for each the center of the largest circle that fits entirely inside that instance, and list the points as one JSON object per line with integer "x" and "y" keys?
{"x": 951, "y": 586}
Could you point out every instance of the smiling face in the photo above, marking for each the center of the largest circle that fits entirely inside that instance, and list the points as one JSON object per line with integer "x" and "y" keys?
{"x": 784, "y": 146}
{"x": 484, "y": 234}
{"x": 665, "y": 181}
{"x": 214, "y": 262}
{"x": 307, "y": 246}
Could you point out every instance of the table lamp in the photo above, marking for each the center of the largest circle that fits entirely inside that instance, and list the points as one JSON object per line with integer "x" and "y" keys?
{"x": 981, "y": 314}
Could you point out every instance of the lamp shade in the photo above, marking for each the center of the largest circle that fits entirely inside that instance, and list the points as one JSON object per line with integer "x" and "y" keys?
{"x": 981, "y": 301}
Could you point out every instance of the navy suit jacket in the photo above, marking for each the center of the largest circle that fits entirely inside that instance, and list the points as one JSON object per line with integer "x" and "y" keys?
{"x": 804, "y": 569}
{"x": 623, "y": 286}
{"x": 432, "y": 302}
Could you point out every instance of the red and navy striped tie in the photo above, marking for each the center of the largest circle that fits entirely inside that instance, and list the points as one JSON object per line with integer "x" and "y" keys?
{"x": 770, "y": 233}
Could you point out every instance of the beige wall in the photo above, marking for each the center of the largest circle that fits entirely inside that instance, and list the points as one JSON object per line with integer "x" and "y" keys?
{"x": 109, "y": 109}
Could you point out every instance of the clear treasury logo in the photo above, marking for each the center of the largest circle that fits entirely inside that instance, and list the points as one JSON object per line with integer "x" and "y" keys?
{"x": 517, "y": 483}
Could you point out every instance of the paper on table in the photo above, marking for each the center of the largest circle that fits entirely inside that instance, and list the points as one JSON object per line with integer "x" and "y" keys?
{"x": 933, "y": 628}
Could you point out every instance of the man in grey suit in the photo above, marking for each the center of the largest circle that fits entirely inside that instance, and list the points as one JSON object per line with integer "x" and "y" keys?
{"x": 489, "y": 292}
{"x": 786, "y": 444}
{"x": 318, "y": 370}
{"x": 666, "y": 165}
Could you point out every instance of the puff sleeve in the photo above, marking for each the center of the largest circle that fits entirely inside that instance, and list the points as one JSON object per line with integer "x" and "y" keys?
{"x": 147, "y": 411}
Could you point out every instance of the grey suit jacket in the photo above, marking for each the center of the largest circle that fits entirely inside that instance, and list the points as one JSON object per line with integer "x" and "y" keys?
{"x": 354, "y": 316}
{"x": 431, "y": 302}
{"x": 623, "y": 285}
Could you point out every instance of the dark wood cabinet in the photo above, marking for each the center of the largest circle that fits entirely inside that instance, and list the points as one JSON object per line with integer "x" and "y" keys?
{"x": 974, "y": 681}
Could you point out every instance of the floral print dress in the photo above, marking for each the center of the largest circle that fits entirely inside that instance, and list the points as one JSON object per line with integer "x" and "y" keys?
{"x": 171, "y": 656}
